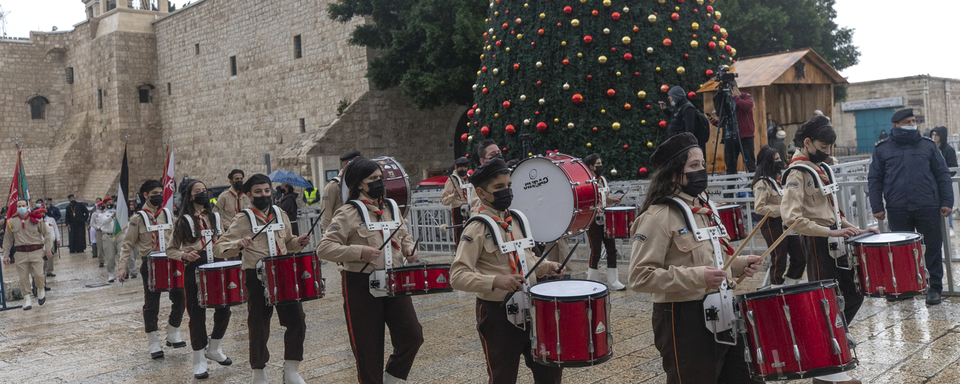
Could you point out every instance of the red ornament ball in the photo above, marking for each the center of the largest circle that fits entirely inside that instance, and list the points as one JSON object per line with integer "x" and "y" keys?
{"x": 615, "y": 16}
{"x": 559, "y": 24}
{"x": 540, "y": 31}
{"x": 568, "y": 9}
{"x": 663, "y": 124}
{"x": 538, "y": 82}
{"x": 594, "y": 12}
{"x": 691, "y": 95}
{"x": 505, "y": 25}
{"x": 675, "y": 16}
{"x": 642, "y": 171}
{"x": 531, "y": 43}
{"x": 686, "y": 55}
{"x": 516, "y": 65}
{"x": 510, "y": 129}
{"x": 587, "y": 39}
{"x": 485, "y": 130}
{"x": 710, "y": 8}
{"x": 506, "y": 104}
{"x": 636, "y": 28}
{"x": 636, "y": 73}
{"x": 716, "y": 28}
{"x": 577, "y": 98}
{"x": 711, "y": 45}
{"x": 594, "y": 129}
{"x": 483, "y": 68}
{"x": 626, "y": 146}
{"x": 613, "y": 49}
{"x": 664, "y": 88}
{"x": 469, "y": 171}
{"x": 708, "y": 73}
{"x": 589, "y": 77}
{"x": 627, "y": 56}
{"x": 485, "y": 91}
{"x": 566, "y": 62}
{"x": 470, "y": 114}
{"x": 464, "y": 137}
{"x": 728, "y": 48}
{"x": 611, "y": 93}
{"x": 666, "y": 43}
{"x": 541, "y": 127}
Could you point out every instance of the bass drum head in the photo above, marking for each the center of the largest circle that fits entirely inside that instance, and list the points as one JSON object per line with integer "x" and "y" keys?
{"x": 542, "y": 191}
{"x": 396, "y": 182}
{"x": 158, "y": 255}
{"x": 220, "y": 265}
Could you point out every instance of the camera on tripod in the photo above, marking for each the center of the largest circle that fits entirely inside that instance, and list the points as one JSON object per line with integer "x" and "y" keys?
{"x": 725, "y": 77}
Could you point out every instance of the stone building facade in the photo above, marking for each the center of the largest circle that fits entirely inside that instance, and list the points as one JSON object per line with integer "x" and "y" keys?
{"x": 225, "y": 84}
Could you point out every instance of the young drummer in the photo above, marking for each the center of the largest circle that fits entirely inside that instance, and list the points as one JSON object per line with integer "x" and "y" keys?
{"x": 194, "y": 234}
{"x": 596, "y": 231}
{"x": 240, "y": 236}
{"x": 767, "y": 196}
{"x": 818, "y": 218}
{"x": 332, "y": 199}
{"x": 34, "y": 245}
{"x": 147, "y": 232}
{"x": 668, "y": 262}
{"x": 350, "y": 241}
{"x": 231, "y": 201}
{"x": 455, "y": 195}
{"x": 480, "y": 267}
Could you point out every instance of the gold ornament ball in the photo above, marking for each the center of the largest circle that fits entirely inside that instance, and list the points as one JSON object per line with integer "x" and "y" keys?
{"x": 584, "y": 1}
{"x": 491, "y": 5}
{"x": 606, "y": 31}
{"x": 542, "y": 101}
{"x": 478, "y": 111}
{"x": 481, "y": 57}
{"x": 649, "y": 49}
{"x": 508, "y": 49}
{"x": 649, "y": 145}
{"x": 602, "y": 59}
{"x": 497, "y": 13}
{"x": 526, "y": 121}
{"x": 618, "y": 73}
{"x": 519, "y": 36}
{"x": 526, "y": 5}
{"x": 670, "y": 29}
{"x": 563, "y": 43}
{"x": 496, "y": 71}
{"x": 606, "y": 3}
{"x": 680, "y": 70}
{"x": 539, "y": 64}
{"x": 502, "y": 82}
{"x": 579, "y": 55}
{"x": 716, "y": 15}
{"x": 496, "y": 115}
{"x": 478, "y": 73}
{"x": 723, "y": 32}
{"x": 543, "y": 15}
{"x": 709, "y": 59}
{"x": 694, "y": 44}
{"x": 714, "y": 38}
{"x": 575, "y": 22}
{"x": 721, "y": 44}
{"x": 659, "y": 1}
{"x": 615, "y": 126}
{"x": 603, "y": 111}
{"x": 642, "y": 94}
{"x": 677, "y": 8}
{"x": 523, "y": 97}
{"x": 589, "y": 145}
{"x": 658, "y": 69}
{"x": 699, "y": 2}
{"x": 570, "y": 125}
{"x": 556, "y": 120}
{"x": 733, "y": 52}
{"x": 643, "y": 121}
{"x": 626, "y": 40}
{"x": 695, "y": 26}
{"x": 652, "y": 18}
{"x": 518, "y": 21}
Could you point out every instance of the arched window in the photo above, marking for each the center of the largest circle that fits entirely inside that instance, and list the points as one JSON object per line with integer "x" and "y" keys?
{"x": 37, "y": 105}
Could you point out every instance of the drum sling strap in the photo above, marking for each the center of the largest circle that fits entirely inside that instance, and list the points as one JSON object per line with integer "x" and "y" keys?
{"x": 379, "y": 277}
{"x": 603, "y": 189}
{"x": 158, "y": 229}
{"x": 837, "y": 245}
{"x": 518, "y": 307}
{"x": 465, "y": 188}
{"x": 206, "y": 233}
{"x": 270, "y": 231}
{"x": 717, "y": 306}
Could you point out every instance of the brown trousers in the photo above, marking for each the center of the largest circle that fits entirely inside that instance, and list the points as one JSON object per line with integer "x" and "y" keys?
{"x": 198, "y": 314}
{"x": 597, "y": 239}
{"x": 258, "y": 322}
{"x": 366, "y": 315}
{"x": 820, "y": 266}
{"x": 789, "y": 247}
{"x": 30, "y": 264}
{"x": 503, "y": 343}
{"x": 151, "y": 303}
{"x": 690, "y": 354}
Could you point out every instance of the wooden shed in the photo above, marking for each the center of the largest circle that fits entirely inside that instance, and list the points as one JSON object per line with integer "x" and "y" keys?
{"x": 786, "y": 88}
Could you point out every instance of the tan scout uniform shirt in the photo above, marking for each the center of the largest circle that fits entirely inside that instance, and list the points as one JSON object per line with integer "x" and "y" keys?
{"x": 227, "y": 244}
{"x": 21, "y": 232}
{"x": 479, "y": 260}
{"x": 176, "y": 248}
{"x": 452, "y": 193}
{"x": 330, "y": 202}
{"x": 137, "y": 236}
{"x": 346, "y": 236}
{"x": 229, "y": 204}
{"x": 766, "y": 199}
{"x": 804, "y": 203}
{"x": 667, "y": 261}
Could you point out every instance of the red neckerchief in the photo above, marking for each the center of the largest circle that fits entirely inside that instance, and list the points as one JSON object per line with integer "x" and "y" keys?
{"x": 823, "y": 178}
{"x": 35, "y": 217}
{"x": 155, "y": 237}
{"x": 265, "y": 221}
{"x": 203, "y": 226}
{"x": 515, "y": 260}
{"x": 705, "y": 210}
{"x": 379, "y": 213}
{"x": 238, "y": 199}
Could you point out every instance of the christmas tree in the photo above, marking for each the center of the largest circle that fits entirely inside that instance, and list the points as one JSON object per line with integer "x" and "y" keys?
{"x": 584, "y": 76}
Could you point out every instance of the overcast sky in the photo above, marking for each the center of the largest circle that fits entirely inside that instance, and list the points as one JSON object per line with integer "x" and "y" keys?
{"x": 891, "y": 44}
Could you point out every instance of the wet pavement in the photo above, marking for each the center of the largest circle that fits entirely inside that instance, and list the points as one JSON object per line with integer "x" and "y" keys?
{"x": 95, "y": 335}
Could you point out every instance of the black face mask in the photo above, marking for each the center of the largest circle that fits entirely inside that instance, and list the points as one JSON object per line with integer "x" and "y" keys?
{"x": 376, "y": 189}
{"x": 262, "y": 202}
{"x": 497, "y": 156}
{"x": 156, "y": 200}
{"x": 779, "y": 165}
{"x": 696, "y": 183}
{"x": 238, "y": 185}
{"x": 201, "y": 198}
{"x": 462, "y": 173}
{"x": 502, "y": 199}
{"x": 599, "y": 170}
{"x": 818, "y": 157}
{"x": 111, "y": 207}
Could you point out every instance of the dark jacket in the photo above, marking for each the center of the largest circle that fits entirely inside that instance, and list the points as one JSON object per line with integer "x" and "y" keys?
{"x": 907, "y": 171}
{"x": 683, "y": 118}
{"x": 949, "y": 154}
{"x": 745, "y": 114}
{"x": 288, "y": 203}
{"x": 54, "y": 212}
{"x": 77, "y": 214}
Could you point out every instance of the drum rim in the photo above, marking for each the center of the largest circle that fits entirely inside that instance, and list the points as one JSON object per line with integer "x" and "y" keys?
{"x": 157, "y": 255}
{"x": 212, "y": 267}
{"x": 620, "y": 208}
{"x": 728, "y": 207}
{"x": 288, "y": 256}
{"x": 805, "y": 374}
{"x": 421, "y": 267}
{"x": 574, "y": 364}
{"x": 570, "y": 299}
{"x": 406, "y": 181}
{"x": 789, "y": 290}
{"x": 917, "y": 239}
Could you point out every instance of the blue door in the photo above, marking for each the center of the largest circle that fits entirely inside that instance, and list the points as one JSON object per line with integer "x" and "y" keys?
{"x": 869, "y": 124}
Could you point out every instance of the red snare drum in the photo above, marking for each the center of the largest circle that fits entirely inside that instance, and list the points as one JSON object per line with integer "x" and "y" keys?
{"x": 617, "y": 221}
{"x": 571, "y": 323}
{"x": 290, "y": 278}
{"x": 220, "y": 284}
{"x": 419, "y": 280}
{"x": 165, "y": 274}
{"x": 795, "y": 332}
{"x": 396, "y": 182}
{"x": 889, "y": 264}
{"x": 732, "y": 218}
{"x": 557, "y": 193}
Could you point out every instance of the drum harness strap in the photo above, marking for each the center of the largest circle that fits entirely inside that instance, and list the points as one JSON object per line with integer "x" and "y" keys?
{"x": 820, "y": 176}
{"x": 465, "y": 189}
{"x": 378, "y": 278}
{"x": 519, "y": 305}
{"x": 603, "y": 189}
{"x": 157, "y": 230}
{"x": 274, "y": 248}
{"x": 717, "y": 306}
{"x": 206, "y": 233}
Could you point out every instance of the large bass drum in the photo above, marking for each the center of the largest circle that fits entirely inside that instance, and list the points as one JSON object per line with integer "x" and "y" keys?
{"x": 395, "y": 181}
{"x": 558, "y": 193}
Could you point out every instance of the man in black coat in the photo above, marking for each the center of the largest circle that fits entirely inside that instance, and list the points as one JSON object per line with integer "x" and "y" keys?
{"x": 910, "y": 181}
{"x": 76, "y": 219}
{"x": 684, "y": 117}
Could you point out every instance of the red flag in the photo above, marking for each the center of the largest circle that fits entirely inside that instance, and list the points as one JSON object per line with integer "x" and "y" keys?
{"x": 18, "y": 187}
{"x": 169, "y": 184}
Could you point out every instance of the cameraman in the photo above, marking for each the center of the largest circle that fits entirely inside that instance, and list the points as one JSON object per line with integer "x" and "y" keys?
{"x": 684, "y": 117}
{"x": 733, "y": 148}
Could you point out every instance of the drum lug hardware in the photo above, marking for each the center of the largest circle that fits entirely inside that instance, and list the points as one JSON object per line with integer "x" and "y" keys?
{"x": 893, "y": 276}
{"x": 793, "y": 335}
{"x": 833, "y": 337}
{"x": 712, "y": 314}
{"x": 512, "y": 309}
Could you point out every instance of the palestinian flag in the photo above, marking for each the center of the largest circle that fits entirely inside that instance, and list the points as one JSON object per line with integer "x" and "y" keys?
{"x": 18, "y": 187}
{"x": 123, "y": 193}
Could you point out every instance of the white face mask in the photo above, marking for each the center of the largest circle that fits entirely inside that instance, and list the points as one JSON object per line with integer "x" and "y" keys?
{"x": 908, "y": 127}
{"x": 673, "y": 103}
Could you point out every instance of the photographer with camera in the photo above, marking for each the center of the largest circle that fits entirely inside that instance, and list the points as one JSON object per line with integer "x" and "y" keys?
{"x": 684, "y": 117}
{"x": 734, "y": 115}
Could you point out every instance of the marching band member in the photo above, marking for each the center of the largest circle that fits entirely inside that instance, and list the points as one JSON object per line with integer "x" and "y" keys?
{"x": 240, "y": 236}
{"x": 819, "y": 220}
{"x": 767, "y": 196}
{"x": 349, "y": 240}
{"x": 231, "y": 201}
{"x": 455, "y": 196}
{"x": 190, "y": 245}
{"x": 480, "y": 267}
{"x": 668, "y": 262}
{"x": 595, "y": 232}
{"x": 331, "y": 200}
{"x": 34, "y": 244}
{"x": 146, "y": 232}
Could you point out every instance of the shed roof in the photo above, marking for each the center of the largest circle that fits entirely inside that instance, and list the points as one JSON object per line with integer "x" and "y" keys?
{"x": 764, "y": 70}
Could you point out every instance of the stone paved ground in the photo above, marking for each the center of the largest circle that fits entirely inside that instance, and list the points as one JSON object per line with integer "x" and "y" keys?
{"x": 95, "y": 335}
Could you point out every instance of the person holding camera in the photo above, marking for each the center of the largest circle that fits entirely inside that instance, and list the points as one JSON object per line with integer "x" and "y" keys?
{"x": 740, "y": 141}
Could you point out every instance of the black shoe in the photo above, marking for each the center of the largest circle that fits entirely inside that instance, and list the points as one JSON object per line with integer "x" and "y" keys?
{"x": 933, "y": 298}
{"x": 51, "y": 275}
{"x": 156, "y": 355}
{"x": 101, "y": 265}
{"x": 41, "y": 301}
{"x": 46, "y": 288}
{"x": 177, "y": 345}
{"x": 895, "y": 298}
{"x": 201, "y": 376}
{"x": 133, "y": 276}
{"x": 225, "y": 362}
{"x": 94, "y": 256}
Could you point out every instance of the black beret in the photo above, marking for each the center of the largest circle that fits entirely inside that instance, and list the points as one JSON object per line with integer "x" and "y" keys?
{"x": 462, "y": 162}
{"x": 672, "y": 147}
{"x": 349, "y": 155}
{"x": 764, "y": 152}
{"x": 488, "y": 169}
{"x": 901, "y": 114}
{"x": 813, "y": 125}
